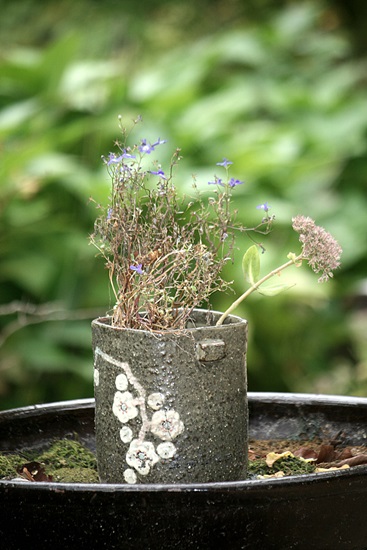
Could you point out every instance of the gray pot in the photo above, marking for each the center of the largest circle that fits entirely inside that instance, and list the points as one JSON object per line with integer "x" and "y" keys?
{"x": 171, "y": 407}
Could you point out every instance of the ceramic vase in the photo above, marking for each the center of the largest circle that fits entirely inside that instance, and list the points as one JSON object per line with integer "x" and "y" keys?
{"x": 171, "y": 407}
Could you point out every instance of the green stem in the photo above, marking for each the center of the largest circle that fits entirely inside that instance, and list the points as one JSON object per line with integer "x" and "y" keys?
{"x": 255, "y": 286}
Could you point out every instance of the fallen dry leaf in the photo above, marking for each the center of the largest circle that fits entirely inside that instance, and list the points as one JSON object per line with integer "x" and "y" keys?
{"x": 331, "y": 452}
{"x": 343, "y": 454}
{"x": 307, "y": 453}
{"x": 270, "y": 476}
{"x": 354, "y": 460}
{"x": 33, "y": 471}
{"x": 344, "y": 467}
{"x": 273, "y": 457}
{"x": 326, "y": 454}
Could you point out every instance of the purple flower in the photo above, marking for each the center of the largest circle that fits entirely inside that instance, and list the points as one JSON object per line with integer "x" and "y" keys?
{"x": 113, "y": 159}
{"x": 159, "y": 173}
{"x": 225, "y": 162}
{"x": 137, "y": 268}
{"x": 147, "y": 148}
{"x": 265, "y": 206}
{"x": 233, "y": 182}
{"x": 217, "y": 181}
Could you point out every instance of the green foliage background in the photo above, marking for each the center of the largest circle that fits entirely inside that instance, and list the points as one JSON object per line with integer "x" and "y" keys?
{"x": 274, "y": 86}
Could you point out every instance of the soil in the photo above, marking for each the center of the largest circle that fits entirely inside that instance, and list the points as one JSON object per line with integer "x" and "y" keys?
{"x": 67, "y": 461}
{"x": 280, "y": 458}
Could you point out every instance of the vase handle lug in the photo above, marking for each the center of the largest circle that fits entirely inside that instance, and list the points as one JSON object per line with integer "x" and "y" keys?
{"x": 210, "y": 350}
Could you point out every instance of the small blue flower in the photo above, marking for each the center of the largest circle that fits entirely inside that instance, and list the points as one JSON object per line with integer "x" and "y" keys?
{"x": 225, "y": 162}
{"x": 126, "y": 155}
{"x": 147, "y": 148}
{"x": 265, "y": 206}
{"x": 159, "y": 142}
{"x": 137, "y": 268}
{"x": 233, "y": 182}
{"x": 159, "y": 173}
{"x": 113, "y": 159}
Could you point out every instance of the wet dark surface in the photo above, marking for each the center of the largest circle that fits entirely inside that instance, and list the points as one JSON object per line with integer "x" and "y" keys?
{"x": 318, "y": 511}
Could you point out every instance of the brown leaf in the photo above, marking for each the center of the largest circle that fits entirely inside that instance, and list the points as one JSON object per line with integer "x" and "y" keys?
{"x": 306, "y": 453}
{"x": 326, "y": 454}
{"x": 354, "y": 460}
{"x": 343, "y": 454}
{"x": 33, "y": 471}
{"x": 24, "y": 472}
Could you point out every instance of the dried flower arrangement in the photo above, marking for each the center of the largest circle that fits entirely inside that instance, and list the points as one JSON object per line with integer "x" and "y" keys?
{"x": 165, "y": 254}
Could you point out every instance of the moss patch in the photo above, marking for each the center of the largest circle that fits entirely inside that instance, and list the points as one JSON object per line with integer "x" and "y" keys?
{"x": 75, "y": 475}
{"x": 9, "y": 464}
{"x": 67, "y": 461}
{"x": 68, "y": 453}
{"x": 289, "y": 465}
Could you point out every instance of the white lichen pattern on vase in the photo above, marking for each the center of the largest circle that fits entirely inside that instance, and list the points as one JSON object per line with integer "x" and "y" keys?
{"x": 166, "y": 424}
{"x": 96, "y": 377}
{"x": 124, "y": 406}
{"x": 130, "y": 403}
{"x": 141, "y": 456}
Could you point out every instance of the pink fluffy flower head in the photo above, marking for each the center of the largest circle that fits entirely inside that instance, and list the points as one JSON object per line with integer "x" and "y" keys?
{"x": 319, "y": 248}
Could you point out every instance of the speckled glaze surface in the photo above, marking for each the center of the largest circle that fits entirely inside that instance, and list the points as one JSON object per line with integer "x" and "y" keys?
{"x": 171, "y": 408}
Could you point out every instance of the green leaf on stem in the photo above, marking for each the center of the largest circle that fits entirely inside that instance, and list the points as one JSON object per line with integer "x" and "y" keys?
{"x": 251, "y": 264}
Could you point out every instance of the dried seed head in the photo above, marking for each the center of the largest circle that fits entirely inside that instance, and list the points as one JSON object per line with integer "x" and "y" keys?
{"x": 318, "y": 247}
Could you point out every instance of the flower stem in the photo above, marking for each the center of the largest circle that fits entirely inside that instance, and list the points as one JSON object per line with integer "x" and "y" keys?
{"x": 256, "y": 285}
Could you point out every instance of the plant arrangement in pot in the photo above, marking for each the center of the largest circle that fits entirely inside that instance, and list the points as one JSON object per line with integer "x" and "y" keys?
{"x": 170, "y": 377}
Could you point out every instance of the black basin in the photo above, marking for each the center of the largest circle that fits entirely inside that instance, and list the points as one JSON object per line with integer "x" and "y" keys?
{"x": 317, "y": 511}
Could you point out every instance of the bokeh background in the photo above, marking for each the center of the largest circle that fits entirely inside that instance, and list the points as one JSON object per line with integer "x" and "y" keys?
{"x": 278, "y": 87}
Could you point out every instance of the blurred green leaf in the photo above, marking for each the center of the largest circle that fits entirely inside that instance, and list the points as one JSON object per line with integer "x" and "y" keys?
{"x": 251, "y": 264}
{"x": 15, "y": 115}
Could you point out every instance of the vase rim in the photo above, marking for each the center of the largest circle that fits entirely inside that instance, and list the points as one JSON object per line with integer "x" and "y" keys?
{"x": 230, "y": 321}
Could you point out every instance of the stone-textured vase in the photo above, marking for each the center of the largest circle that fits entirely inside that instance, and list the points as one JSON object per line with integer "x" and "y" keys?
{"x": 171, "y": 408}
